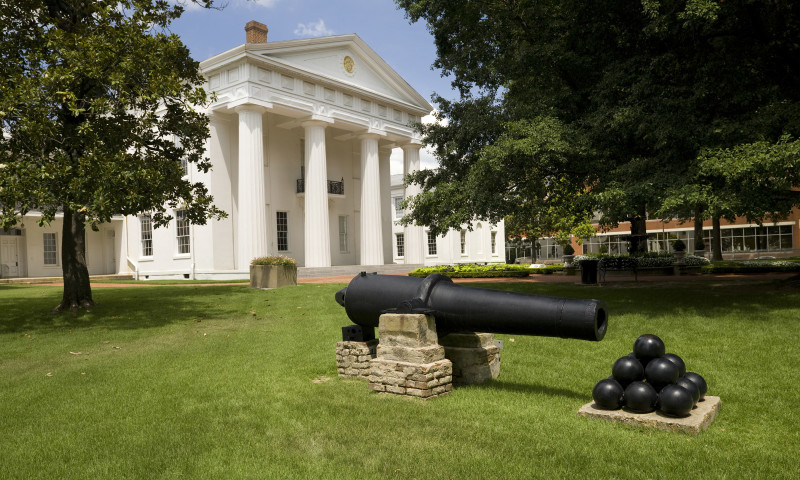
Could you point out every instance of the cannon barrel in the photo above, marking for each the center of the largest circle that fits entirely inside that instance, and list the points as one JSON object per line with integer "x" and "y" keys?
{"x": 459, "y": 308}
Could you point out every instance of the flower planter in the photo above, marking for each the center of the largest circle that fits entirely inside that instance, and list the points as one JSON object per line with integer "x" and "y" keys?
{"x": 272, "y": 276}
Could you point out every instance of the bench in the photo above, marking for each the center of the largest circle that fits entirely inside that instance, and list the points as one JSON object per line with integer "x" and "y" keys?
{"x": 617, "y": 265}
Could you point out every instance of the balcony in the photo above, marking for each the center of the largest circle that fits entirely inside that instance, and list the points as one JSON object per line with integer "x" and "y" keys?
{"x": 334, "y": 187}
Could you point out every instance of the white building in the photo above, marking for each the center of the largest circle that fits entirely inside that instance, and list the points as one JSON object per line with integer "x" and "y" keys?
{"x": 301, "y": 136}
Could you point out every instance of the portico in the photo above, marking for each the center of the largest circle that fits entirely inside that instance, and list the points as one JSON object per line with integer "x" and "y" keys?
{"x": 314, "y": 122}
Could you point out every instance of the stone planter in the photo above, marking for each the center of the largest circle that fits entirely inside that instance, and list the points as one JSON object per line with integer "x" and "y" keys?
{"x": 679, "y": 256}
{"x": 568, "y": 259}
{"x": 272, "y": 276}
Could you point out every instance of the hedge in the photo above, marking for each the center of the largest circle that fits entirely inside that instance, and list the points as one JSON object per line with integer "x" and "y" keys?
{"x": 752, "y": 266}
{"x": 475, "y": 271}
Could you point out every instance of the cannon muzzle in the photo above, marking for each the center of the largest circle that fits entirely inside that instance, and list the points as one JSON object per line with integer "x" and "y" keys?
{"x": 458, "y": 308}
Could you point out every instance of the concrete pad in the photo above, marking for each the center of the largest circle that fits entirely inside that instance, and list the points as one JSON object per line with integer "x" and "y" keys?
{"x": 701, "y": 417}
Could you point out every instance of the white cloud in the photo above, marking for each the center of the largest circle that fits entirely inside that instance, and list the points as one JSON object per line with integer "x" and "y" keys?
{"x": 263, "y": 3}
{"x": 312, "y": 29}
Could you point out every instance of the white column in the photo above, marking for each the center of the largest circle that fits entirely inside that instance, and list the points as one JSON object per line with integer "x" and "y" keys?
{"x": 371, "y": 234}
{"x": 252, "y": 226}
{"x": 414, "y": 241}
{"x": 317, "y": 228}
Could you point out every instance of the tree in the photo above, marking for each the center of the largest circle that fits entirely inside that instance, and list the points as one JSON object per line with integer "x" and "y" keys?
{"x": 98, "y": 110}
{"x": 630, "y": 92}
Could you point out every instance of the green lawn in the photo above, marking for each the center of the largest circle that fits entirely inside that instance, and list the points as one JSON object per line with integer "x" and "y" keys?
{"x": 219, "y": 382}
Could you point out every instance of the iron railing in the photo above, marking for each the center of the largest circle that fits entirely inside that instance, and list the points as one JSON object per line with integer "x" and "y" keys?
{"x": 334, "y": 187}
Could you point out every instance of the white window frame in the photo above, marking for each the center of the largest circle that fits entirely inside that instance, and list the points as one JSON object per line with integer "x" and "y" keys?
{"x": 493, "y": 242}
{"x": 45, "y": 250}
{"x": 284, "y": 230}
{"x": 463, "y": 243}
{"x": 183, "y": 234}
{"x": 397, "y": 212}
{"x": 142, "y": 232}
{"x": 428, "y": 244}
{"x": 400, "y": 244}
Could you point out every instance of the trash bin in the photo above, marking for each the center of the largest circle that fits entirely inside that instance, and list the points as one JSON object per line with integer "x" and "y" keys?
{"x": 589, "y": 271}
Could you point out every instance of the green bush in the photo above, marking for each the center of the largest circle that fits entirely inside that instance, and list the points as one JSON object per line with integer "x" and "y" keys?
{"x": 274, "y": 260}
{"x": 645, "y": 260}
{"x": 753, "y": 266}
{"x": 475, "y": 271}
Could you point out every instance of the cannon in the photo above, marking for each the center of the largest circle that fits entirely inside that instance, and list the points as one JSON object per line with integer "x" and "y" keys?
{"x": 457, "y": 308}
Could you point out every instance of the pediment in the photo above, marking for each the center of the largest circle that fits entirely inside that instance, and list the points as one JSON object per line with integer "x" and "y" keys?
{"x": 347, "y": 60}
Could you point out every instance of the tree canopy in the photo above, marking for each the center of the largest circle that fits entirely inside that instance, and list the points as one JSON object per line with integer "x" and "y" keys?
{"x": 99, "y": 108}
{"x": 600, "y": 106}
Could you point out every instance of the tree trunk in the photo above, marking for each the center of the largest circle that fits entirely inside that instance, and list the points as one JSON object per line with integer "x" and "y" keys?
{"x": 716, "y": 239}
{"x": 639, "y": 232}
{"x": 698, "y": 229}
{"x": 77, "y": 290}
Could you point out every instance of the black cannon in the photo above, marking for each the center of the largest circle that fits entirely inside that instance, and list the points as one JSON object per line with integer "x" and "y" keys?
{"x": 457, "y": 308}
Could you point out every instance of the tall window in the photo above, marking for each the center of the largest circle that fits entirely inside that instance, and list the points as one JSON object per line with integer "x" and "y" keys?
{"x": 50, "y": 249}
{"x": 494, "y": 243}
{"x": 282, "y": 222}
{"x": 463, "y": 242}
{"x": 431, "y": 244}
{"x": 146, "y": 227}
{"x": 343, "y": 233}
{"x": 398, "y": 211}
{"x": 400, "y": 240}
{"x": 184, "y": 162}
{"x": 182, "y": 232}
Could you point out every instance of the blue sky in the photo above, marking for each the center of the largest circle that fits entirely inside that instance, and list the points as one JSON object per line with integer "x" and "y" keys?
{"x": 407, "y": 48}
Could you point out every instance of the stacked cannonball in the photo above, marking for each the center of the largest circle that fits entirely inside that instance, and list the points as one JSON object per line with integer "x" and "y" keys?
{"x": 648, "y": 379}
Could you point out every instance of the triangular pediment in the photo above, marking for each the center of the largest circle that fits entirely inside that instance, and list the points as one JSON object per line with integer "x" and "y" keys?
{"x": 345, "y": 59}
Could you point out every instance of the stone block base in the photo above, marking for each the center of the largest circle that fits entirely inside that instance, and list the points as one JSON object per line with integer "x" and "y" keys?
{"x": 352, "y": 358}
{"x": 699, "y": 420}
{"x": 416, "y": 380}
{"x": 475, "y": 357}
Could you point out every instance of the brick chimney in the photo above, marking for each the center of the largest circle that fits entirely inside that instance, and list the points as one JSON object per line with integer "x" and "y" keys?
{"x": 256, "y": 32}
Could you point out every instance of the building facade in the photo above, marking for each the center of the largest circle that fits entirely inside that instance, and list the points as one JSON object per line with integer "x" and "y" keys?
{"x": 301, "y": 134}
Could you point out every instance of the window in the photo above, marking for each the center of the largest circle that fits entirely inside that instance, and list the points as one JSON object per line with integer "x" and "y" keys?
{"x": 494, "y": 243}
{"x": 400, "y": 241}
{"x": 184, "y": 162}
{"x": 398, "y": 211}
{"x": 146, "y": 227}
{"x": 283, "y": 231}
{"x": 431, "y": 244}
{"x": 463, "y": 242}
{"x": 343, "y": 233}
{"x": 182, "y": 232}
{"x": 50, "y": 249}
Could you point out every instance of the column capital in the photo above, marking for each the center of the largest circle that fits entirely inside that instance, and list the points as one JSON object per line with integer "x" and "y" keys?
{"x": 412, "y": 145}
{"x": 249, "y": 105}
{"x": 315, "y": 123}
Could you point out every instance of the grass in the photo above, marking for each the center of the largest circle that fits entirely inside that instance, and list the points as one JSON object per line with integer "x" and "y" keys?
{"x": 228, "y": 382}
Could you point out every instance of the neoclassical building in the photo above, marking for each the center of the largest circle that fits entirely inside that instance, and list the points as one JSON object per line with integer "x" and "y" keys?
{"x": 301, "y": 134}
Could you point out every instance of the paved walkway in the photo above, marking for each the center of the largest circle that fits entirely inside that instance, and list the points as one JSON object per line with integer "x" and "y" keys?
{"x": 611, "y": 280}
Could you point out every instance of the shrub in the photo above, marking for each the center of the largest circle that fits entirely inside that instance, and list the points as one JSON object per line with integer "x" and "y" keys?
{"x": 568, "y": 250}
{"x": 643, "y": 260}
{"x": 474, "y": 271}
{"x": 274, "y": 260}
{"x": 678, "y": 245}
{"x": 753, "y": 266}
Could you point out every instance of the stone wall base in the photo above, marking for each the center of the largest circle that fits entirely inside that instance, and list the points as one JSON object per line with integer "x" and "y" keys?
{"x": 353, "y": 358}
{"x": 475, "y": 357}
{"x": 413, "y": 379}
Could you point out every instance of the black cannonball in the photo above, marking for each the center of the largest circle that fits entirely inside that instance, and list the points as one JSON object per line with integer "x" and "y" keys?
{"x": 640, "y": 397}
{"x": 660, "y": 372}
{"x": 607, "y": 394}
{"x": 699, "y": 381}
{"x": 675, "y": 401}
{"x": 678, "y": 361}
{"x": 648, "y": 347}
{"x": 689, "y": 385}
{"x": 627, "y": 369}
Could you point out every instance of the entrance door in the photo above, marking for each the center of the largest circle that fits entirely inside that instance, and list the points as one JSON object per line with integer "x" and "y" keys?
{"x": 111, "y": 257}
{"x": 9, "y": 257}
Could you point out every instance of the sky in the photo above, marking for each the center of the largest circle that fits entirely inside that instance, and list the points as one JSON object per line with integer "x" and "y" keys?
{"x": 408, "y": 48}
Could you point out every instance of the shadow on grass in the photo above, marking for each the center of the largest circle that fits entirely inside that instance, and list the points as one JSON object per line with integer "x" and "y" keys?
{"x": 25, "y": 308}
{"x": 527, "y": 389}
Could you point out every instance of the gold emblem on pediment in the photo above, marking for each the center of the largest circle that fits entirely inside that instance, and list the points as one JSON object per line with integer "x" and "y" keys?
{"x": 349, "y": 64}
